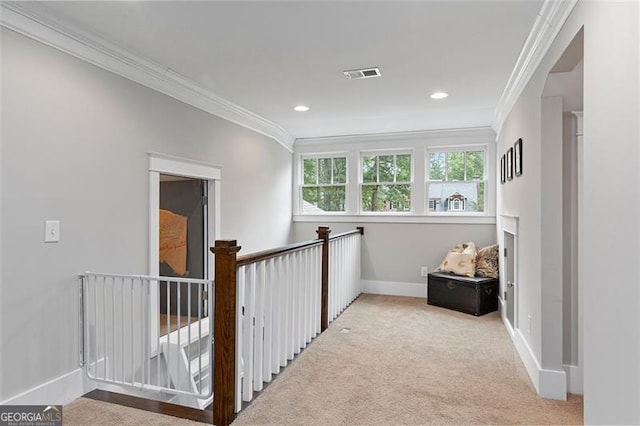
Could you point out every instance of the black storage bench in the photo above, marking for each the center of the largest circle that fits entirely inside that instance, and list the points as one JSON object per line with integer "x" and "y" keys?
{"x": 476, "y": 296}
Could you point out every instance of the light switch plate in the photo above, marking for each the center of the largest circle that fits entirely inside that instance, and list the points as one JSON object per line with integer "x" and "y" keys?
{"x": 51, "y": 231}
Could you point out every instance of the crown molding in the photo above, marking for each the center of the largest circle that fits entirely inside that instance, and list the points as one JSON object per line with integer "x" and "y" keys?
{"x": 470, "y": 132}
{"x": 106, "y": 55}
{"x": 551, "y": 17}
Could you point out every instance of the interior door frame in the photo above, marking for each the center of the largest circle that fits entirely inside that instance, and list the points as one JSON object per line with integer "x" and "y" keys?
{"x": 176, "y": 166}
{"x": 509, "y": 224}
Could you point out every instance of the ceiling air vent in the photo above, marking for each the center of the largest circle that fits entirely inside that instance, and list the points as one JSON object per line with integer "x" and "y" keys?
{"x": 364, "y": 73}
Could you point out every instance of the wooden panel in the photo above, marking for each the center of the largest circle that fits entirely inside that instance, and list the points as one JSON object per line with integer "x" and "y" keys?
{"x": 203, "y": 416}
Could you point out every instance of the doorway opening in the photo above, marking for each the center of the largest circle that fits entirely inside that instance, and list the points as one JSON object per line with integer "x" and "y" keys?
{"x": 509, "y": 272}
{"x": 183, "y": 248}
{"x": 566, "y": 81}
{"x": 188, "y": 192}
{"x": 509, "y": 263}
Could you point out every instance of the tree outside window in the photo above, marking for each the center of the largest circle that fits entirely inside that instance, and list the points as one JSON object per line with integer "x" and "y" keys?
{"x": 386, "y": 183}
{"x": 324, "y": 184}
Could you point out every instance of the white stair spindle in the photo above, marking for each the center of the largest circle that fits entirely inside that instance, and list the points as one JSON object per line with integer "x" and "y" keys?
{"x": 258, "y": 339}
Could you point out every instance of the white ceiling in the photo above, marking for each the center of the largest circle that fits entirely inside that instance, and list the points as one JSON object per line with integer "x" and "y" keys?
{"x": 268, "y": 56}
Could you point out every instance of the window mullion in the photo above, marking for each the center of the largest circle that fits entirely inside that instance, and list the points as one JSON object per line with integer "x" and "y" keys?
{"x": 464, "y": 154}
{"x": 446, "y": 166}
{"x": 333, "y": 163}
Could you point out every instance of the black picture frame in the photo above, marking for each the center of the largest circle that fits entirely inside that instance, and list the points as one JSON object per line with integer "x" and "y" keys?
{"x": 517, "y": 160}
{"x": 510, "y": 164}
{"x": 503, "y": 169}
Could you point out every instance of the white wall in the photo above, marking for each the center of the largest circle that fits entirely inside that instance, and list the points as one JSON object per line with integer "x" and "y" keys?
{"x": 75, "y": 140}
{"x": 611, "y": 168}
{"x": 395, "y": 247}
{"x": 392, "y": 253}
{"x": 551, "y": 323}
{"x": 611, "y": 284}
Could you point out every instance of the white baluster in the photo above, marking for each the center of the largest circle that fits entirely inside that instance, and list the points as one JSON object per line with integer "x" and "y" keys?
{"x": 318, "y": 291}
{"x": 268, "y": 320}
{"x": 277, "y": 315}
{"x": 284, "y": 312}
{"x": 305, "y": 308}
{"x": 250, "y": 294}
{"x": 289, "y": 306}
{"x": 295, "y": 319}
{"x": 300, "y": 304}
{"x": 240, "y": 327}
{"x": 258, "y": 338}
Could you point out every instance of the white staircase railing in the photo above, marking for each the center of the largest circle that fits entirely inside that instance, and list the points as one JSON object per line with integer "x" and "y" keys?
{"x": 344, "y": 272}
{"x": 282, "y": 303}
{"x": 278, "y": 314}
{"x": 126, "y": 342}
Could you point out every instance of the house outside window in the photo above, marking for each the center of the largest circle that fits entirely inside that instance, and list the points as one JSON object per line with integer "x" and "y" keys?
{"x": 456, "y": 180}
{"x": 372, "y": 178}
{"x": 386, "y": 180}
{"x": 324, "y": 182}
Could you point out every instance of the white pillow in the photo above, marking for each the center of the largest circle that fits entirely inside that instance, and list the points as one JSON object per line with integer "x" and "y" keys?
{"x": 459, "y": 264}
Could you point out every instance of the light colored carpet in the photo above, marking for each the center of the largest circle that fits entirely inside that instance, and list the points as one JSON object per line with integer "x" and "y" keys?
{"x": 405, "y": 362}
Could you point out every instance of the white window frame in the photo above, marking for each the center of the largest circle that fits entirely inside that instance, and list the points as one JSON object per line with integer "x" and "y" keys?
{"x": 416, "y": 142}
{"x": 488, "y": 192}
{"x": 411, "y": 182}
{"x": 298, "y": 199}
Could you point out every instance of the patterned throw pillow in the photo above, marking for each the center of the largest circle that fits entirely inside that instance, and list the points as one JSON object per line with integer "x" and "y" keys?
{"x": 468, "y": 248}
{"x": 487, "y": 262}
{"x": 460, "y": 260}
{"x": 459, "y": 264}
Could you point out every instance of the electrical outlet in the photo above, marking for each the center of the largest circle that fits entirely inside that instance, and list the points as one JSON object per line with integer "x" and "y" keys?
{"x": 424, "y": 271}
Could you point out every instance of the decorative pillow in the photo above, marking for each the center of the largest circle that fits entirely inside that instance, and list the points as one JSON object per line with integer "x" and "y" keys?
{"x": 458, "y": 263}
{"x": 487, "y": 262}
{"x": 468, "y": 248}
{"x": 460, "y": 260}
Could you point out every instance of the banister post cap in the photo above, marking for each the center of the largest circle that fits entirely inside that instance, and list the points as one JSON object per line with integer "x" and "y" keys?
{"x": 226, "y": 247}
{"x": 323, "y": 232}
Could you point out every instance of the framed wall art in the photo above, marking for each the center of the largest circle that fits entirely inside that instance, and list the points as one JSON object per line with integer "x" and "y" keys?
{"x": 517, "y": 161}
{"x": 503, "y": 170}
{"x": 510, "y": 164}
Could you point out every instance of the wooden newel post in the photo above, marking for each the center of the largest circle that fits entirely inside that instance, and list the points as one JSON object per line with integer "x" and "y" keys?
{"x": 224, "y": 332}
{"x": 323, "y": 234}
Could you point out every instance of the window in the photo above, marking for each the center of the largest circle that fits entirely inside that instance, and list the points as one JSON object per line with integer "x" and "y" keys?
{"x": 323, "y": 184}
{"x": 386, "y": 183}
{"x": 456, "y": 181}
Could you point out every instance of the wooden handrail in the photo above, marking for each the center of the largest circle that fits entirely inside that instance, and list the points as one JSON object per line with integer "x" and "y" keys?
{"x": 267, "y": 254}
{"x": 227, "y": 262}
{"x": 358, "y": 230}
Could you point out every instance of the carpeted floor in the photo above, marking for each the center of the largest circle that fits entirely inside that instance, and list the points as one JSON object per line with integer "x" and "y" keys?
{"x": 402, "y": 362}
{"x": 405, "y": 362}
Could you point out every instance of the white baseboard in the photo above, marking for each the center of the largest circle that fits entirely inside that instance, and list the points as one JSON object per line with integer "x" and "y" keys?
{"x": 59, "y": 391}
{"x": 551, "y": 384}
{"x": 574, "y": 376}
{"x": 391, "y": 288}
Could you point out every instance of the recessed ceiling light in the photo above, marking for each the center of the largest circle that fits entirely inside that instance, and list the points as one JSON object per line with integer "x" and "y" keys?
{"x": 301, "y": 108}
{"x": 439, "y": 95}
